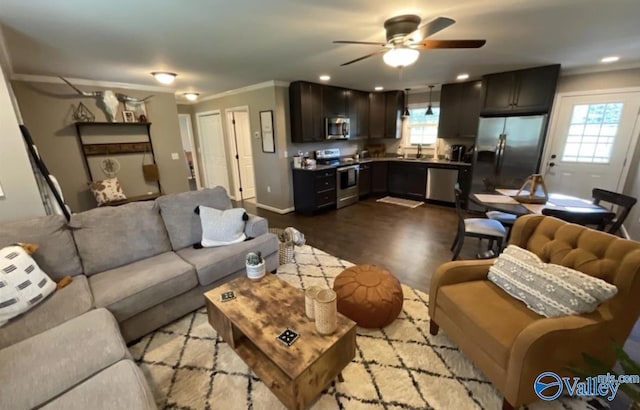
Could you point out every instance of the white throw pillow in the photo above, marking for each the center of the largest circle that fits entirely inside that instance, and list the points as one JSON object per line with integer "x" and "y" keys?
{"x": 222, "y": 227}
{"x": 548, "y": 289}
{"x": 22, "y": 283}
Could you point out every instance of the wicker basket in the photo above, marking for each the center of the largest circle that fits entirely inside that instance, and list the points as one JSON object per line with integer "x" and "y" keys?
{"x": 285, "y": 252}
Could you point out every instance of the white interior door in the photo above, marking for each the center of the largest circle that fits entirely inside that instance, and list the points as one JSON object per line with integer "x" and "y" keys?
{"x": 240, "y": 141}
{"x": 214, "y": 159}
{"x": 591, "y": 142}
{"x": 186, "y": 133}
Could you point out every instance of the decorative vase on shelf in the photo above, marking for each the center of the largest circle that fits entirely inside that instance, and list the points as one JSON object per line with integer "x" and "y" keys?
{"x": 255, "y": 266}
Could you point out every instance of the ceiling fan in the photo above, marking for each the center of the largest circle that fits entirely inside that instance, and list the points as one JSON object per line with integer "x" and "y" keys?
{"x": 405, "y": 38}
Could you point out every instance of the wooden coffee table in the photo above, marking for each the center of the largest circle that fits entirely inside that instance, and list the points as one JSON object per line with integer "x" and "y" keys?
{"x": 262, "y": 309}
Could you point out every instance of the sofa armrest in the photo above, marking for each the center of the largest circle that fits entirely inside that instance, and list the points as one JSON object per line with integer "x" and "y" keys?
{"x": 450, "y": 273}
{"x": 256, "y": 226}
{"x": 555, "y": 344}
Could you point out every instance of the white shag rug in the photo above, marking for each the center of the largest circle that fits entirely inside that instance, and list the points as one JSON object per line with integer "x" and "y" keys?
{"x": 399, "y": 367}
{"x": 400, "y": 201}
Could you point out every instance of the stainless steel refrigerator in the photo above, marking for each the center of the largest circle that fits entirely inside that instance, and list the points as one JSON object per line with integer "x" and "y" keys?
{"x": 508, "y": 150}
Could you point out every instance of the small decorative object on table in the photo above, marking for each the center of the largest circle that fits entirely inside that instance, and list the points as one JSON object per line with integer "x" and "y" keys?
{"x": 129, "y": 116}
{"x": 325, "y": 311}
{"x": 310, "y": 300}
{"x": 537, "y": 191}
{"x": 255, "y": 266}
{"x": 288, "y": 336}
{"x": 288, "y": 238}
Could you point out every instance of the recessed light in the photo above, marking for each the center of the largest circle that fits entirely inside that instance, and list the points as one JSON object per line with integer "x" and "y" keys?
{"x": 325, "y": 77}
{"x": 610, "y": 59}
{"x": 164, "y": 77}
{"x": 191, "y": 96}
{"x": 462, "y": 76}
{"x": 378, "y": 88}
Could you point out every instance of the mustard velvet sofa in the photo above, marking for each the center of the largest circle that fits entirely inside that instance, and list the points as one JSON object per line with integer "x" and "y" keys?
{"x": 511, "y": 344}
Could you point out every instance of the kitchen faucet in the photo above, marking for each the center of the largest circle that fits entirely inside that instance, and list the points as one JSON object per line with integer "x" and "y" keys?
{"x": 419, "y": 153}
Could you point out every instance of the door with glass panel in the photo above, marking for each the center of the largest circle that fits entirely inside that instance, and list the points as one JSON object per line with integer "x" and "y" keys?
{"x": 591, "y": 143}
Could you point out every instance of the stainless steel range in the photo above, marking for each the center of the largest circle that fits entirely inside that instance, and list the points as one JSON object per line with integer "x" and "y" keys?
{"x": 347, "y": 174}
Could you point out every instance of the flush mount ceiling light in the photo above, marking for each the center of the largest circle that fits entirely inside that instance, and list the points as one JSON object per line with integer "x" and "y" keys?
{"x": 610, "y": 59}
{"x": 191, "y": 96}
{"x": 325, "y": 77}
{"x": 164, "y": 77}
{"x": 429, "y": 107}
{"x": 463, "y": 76}
{"x": 400, "y": 57}
{"x": 378, "y": 88}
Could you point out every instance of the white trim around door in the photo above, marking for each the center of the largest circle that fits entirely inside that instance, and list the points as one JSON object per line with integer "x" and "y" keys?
{"x": 194, "y": 150}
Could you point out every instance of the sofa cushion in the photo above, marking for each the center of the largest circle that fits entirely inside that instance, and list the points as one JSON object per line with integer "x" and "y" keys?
{"x": 120, "y": 386}
{"x": 215, "y": 263}
{"x": 488, "y": 315}
{"x": 135, "y": 287}
{"x": 115, "y": 236}
{"x": 41, "y": 367}
{"x": 182, "y": 223}
{"x": 56, "y": 254}
{"x": 220, "y": 228}
{"x": 64, "y": 304}
{"x": 22, "y": 283}
{"x": 548, "y": 289}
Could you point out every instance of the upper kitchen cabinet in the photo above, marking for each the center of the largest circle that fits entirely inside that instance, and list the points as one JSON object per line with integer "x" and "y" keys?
{"x": 394, "y": 103}
{"x": 334, "y": 101}
{"x": 358, "y": 112}
{"x": 307, "y": 121}
{"x": 528, "y": 91}
{"x": 376, "y": 115}
{"x": 459, "y": 109}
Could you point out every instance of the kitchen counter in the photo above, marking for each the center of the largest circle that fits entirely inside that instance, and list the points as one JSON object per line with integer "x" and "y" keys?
{"x": 440, "y": 163}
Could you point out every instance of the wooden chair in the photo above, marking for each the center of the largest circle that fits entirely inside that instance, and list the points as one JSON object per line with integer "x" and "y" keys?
{"x": 598, "y": 219}
{"x": 481, "y": 228}
{"x": 624, "y": 204}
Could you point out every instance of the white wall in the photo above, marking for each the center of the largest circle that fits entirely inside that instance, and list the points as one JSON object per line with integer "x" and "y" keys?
{"x": 21, "y": 196}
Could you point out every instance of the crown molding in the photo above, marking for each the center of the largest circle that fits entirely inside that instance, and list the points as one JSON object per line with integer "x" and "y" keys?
{"x": 602, "y": 68}
{"x": 258, "y": 86}
{"x": 82, "y": 81}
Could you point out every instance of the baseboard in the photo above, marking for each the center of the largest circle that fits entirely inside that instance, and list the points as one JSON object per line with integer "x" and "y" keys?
{"x": 276, "y": 210}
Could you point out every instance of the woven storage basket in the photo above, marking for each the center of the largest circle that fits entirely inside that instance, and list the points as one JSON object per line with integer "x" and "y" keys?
{"x": 285, "y": 251}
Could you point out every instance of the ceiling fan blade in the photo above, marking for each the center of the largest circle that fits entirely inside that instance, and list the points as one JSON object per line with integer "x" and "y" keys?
{"x": 429, "y": 29}
{"x": 363, "y": 57}
{"x": 432, "y": 44}
{"x": 369, "y": 43}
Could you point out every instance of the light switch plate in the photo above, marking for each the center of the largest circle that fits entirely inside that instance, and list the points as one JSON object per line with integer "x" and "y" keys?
{"x": 174, "y": 156}
{"x": 1, "y": 192}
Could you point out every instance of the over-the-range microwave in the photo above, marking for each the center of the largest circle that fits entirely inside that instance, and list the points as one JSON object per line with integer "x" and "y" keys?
{"x": 336, "y": 128}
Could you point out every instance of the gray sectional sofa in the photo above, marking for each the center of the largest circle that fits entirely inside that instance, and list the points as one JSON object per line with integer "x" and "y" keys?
{"x": 134, "y": 270}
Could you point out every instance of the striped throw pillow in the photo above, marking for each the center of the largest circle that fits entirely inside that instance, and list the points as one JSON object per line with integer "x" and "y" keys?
{"x": 548, "y": 289}
{"x": 22, "y": 283}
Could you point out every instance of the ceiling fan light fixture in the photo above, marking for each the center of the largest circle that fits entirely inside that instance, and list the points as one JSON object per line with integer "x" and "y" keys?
{"x": 191, "y": 96}
{"x": 164, "y": 77}
{"x": 399, "y": 57}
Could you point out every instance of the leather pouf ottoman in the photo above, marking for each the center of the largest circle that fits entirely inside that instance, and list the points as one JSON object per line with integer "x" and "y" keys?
{"x": 369, "y": 295}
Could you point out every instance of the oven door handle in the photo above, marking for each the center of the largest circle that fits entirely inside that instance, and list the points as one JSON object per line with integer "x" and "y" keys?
{"x": 348, "y": 167}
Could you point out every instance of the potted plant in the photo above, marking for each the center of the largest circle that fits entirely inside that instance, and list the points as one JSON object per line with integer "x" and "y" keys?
{"x": 255, "y": 266}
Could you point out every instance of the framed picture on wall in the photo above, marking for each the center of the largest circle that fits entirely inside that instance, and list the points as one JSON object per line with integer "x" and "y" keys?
{"x": 266, "y": 128}
{"x": 138, "y": 108}
{"x": 129, "y": 116}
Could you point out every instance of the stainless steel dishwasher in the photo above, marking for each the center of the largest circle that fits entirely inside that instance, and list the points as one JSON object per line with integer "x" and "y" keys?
{"x": 440, "y": 183}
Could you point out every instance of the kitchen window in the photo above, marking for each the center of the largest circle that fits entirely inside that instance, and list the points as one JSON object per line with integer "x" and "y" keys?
{"x": 423, "y": 129}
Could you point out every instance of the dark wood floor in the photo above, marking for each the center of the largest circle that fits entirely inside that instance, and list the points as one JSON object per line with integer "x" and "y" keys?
{"x": 411, "y": 243}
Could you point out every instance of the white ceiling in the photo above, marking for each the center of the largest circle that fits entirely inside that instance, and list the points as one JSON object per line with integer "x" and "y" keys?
{"x": 217, "y": 45}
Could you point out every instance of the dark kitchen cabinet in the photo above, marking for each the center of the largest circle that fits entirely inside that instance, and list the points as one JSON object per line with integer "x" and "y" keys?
{"x": 460, "y": 109}
{"x": 334, "y": 101}
{"x": 364, "y": 181}
{"x": 307, "y": 121}
{"x": 377, "y": 103}
{"x": 408, "y": 179}
{"x": 528, "y": 91}
{"x": 314, "y": 190}
{"x": 394, "y": 104}
{"x": 358, "y": 112}
{"x": 379, "y": 177}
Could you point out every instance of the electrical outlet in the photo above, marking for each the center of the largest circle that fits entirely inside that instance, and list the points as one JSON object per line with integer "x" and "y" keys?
{"x": 268, "y": 188}
{"x": 174, "y": 156}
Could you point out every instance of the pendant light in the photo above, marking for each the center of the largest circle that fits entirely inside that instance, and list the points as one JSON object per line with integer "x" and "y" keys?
{"x": 406, "y": 103}
{"x": 429, "y": 108}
